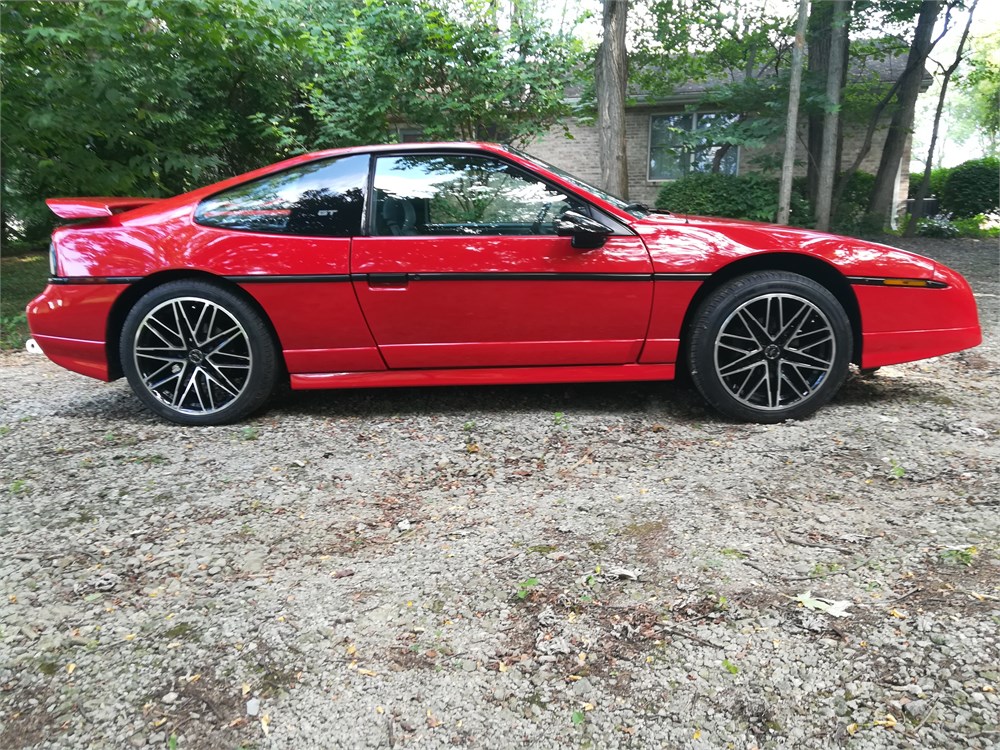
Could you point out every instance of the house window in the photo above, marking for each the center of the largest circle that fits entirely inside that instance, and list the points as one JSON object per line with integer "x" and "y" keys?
{"x": 410, "y": 135}
{"x": 678, "y": 145}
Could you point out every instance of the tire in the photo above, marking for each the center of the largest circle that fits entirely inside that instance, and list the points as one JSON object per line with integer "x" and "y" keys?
{"x": 197, "y": 354}
{"x": 769, "y": 346}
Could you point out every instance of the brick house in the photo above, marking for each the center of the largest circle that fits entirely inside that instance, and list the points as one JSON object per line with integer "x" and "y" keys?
{"x": 653, "y": 159}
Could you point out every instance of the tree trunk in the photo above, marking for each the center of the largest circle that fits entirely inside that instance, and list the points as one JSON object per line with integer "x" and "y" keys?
{"x": 831, "y": 119}
{"x": 918, "y": 203}
{"x": 792, "y": 121}
{"x": 883, "y": 194}
{"x": 611, "y": 80}
{"x": 820, "y": 23}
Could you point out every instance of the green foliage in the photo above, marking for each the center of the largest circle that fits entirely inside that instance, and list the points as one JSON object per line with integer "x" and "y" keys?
{"x": 144, "y": 97}
{"x": 155, "y": 97}
{"x": 975, "y": 112}
{"x": 730, "y": 667}
{"x": 755, "y": 197}
{"x": 959, "y": 556}
{"x": 937, "y": 226}
{"x": 451, "y": 71}
{"x": 749, "y": 196}
{"x": 850, "y": 215}
{"x": 524, "y": 587}
{"x": 980, "y": 226}
{"x": 972, "y": 188}
{"x": 21, "y": 278}
{"x": 938, "y": 177}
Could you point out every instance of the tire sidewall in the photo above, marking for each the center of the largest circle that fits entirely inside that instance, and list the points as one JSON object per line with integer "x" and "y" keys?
{"x": 264, "y": 369}
{"x": 721, "y": 304}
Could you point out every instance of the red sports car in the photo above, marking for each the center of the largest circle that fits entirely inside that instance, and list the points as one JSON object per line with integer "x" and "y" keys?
{"x": 464, "y": 263}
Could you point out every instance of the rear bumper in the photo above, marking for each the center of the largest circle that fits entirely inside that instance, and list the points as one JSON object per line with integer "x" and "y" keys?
{"x": 69, "y": 323}
{"x": 85, "y": 357}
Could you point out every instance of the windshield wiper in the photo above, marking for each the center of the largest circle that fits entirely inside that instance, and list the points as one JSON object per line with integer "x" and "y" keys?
{"x": 637, "y": 206}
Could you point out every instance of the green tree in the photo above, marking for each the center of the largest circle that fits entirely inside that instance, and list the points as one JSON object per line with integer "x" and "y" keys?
{"x": 976, "y": 111}
{"x": 145, "y": 97}
{"x": 454, "y": 72}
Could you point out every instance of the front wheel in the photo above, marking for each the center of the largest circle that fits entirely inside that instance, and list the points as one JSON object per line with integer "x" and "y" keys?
{"x": 197, "y": 354}
{"x": 769, "y": 346}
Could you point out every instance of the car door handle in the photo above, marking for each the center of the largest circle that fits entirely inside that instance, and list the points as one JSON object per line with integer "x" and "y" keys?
{"x": 395, "y": 280}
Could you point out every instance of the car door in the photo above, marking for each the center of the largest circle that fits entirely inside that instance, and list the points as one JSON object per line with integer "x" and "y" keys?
{"x": 462, "y": 268}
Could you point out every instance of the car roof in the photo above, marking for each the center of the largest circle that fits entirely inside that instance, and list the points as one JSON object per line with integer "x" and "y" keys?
{"x": 389, "y": 147}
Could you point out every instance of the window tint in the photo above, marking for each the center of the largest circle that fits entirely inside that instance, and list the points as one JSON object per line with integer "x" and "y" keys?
{"x": 322, "y": 198}
{"x": 679, "y": 145}
{"x": 448, "y": 195}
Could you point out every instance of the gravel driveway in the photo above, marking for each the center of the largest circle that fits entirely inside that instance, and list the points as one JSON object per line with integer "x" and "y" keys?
{"x": 590, "y": 565}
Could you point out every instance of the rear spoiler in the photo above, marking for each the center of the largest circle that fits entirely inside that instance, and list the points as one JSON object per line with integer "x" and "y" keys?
{"x": 92, "y": 208}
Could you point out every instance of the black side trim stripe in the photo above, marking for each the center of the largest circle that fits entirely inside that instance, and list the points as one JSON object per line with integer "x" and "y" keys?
{"x": 88, "y": 280}
{"x": 401, "y": 277}
{"x": 515, "y": 276}
{"x": 900, "y": 282}
{"x": 289, "y": 279}
{"x": 681, "y": 276}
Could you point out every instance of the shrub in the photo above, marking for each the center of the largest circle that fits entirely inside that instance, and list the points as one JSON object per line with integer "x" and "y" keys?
{"x": 750, "y": 196}
{"x": 850, "y": 215}
{"x": 978, "y": 227}
{"x": 937, "y": 226}
{"x": 938, "y": 176}
{"x": 972, "y": 188}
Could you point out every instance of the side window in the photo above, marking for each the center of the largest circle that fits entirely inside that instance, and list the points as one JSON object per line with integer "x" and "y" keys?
{"x": 321, "y": 198}
{"x": 449, "y": 195}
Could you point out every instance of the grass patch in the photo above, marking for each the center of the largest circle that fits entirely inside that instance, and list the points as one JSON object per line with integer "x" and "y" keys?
{"x": 21, "y": 278}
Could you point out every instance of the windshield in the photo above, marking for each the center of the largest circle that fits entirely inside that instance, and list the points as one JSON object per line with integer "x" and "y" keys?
{"x": 637, "y": 210}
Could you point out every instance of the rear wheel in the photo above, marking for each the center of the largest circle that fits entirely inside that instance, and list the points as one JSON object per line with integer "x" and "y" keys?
{"x": 197, "y": 354}
{"x": 769, "y": 346}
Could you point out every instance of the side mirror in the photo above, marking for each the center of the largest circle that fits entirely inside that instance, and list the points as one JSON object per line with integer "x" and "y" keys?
{"x": 587, "y": 233}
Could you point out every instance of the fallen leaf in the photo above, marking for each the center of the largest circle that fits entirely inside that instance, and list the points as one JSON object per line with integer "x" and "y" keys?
{"x": 888, "y": 722}
{"x": 897, "y": 614}
{"x": 696, "y": 735}
{"x": 367, "y": 673}
{"x": 265, "y": 722}
{"x": 832, "y": 608}
{"x": 852, "y": 729}
{"x": 246, "y": 689}
{"x": 70, "y": 668}
{"x": 130, "y": 637}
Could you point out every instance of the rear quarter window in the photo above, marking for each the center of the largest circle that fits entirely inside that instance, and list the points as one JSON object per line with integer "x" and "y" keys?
{"x": 323, "y": 198}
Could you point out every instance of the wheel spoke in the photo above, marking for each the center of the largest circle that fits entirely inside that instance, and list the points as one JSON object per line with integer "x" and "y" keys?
{"x": 193, "y": 355}
{"x": 162, "y": 331}
{"x": 799, "y": 357}
{"x": 754, "y": 327}
{"x": 774, "y": 350}
{"x": 796, "y": 320}
{"x": 743, "y": 363}
{"x": 233, "y": 333}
